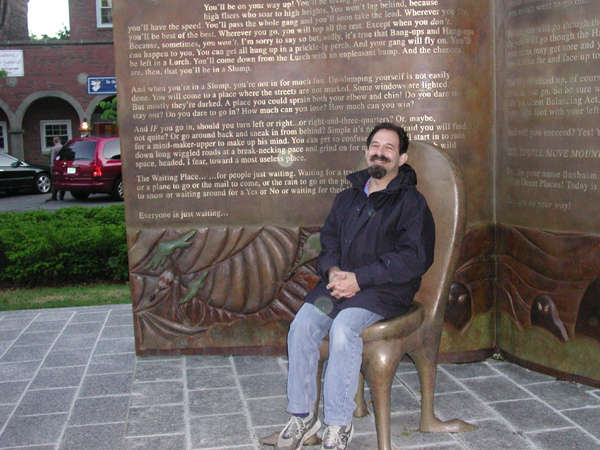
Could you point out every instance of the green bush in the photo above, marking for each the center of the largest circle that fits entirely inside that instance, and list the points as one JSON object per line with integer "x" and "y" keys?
{"x": 71, "y": 245}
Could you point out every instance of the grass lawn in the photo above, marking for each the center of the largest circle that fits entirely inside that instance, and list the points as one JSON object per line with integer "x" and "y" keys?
{"x": 60, "y": 297}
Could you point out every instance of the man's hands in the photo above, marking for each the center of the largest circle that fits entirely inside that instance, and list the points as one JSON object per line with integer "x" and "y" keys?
{"x": 342, "y": 283}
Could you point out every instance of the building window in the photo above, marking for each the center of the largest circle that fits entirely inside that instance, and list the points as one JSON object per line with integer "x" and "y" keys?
{"x": 3, "y": 138}
{"x": 104, "y": 13}
{"x": 52, "y": 128}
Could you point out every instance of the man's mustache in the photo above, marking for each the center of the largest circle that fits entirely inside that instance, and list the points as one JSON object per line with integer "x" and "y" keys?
{"x": 379, "y": 158}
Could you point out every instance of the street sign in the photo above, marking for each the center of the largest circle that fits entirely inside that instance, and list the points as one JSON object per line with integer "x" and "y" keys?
{"x": 102, "y": 85}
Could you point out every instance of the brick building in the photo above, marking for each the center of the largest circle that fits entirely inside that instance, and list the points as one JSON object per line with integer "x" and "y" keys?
{"x": 52, "y": 96}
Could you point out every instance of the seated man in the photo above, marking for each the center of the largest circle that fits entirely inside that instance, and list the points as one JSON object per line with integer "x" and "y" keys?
{"x": 377, "y": 241}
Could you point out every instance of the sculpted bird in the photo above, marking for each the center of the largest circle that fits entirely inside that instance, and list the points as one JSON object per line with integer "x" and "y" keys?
{"x": 193, "y": 288}
{"x": 458, "y": 311}
{"x": 164, "y": 249}
{"x": 544, "y": 314}
{"x": 310, "y": 251}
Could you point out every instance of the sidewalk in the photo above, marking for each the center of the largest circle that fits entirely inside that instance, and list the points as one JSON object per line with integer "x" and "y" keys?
{"x": 69, "y": 378}
{"x": 20, "y": 202}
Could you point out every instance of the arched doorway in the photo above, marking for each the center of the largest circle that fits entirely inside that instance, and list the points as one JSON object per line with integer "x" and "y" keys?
{"x": 44, "y": 119}
{"x": 3, "y": 132}
{"x": 588, "y": 316}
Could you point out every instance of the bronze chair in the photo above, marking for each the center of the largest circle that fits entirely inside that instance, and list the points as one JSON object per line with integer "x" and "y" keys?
{"x": 417, "y": 333}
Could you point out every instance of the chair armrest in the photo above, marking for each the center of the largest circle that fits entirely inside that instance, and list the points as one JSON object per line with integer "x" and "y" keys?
{"x": 398, "y": 327}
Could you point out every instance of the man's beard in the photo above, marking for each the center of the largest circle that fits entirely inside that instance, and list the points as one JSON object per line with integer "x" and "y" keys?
{"x": 377, "y": 171}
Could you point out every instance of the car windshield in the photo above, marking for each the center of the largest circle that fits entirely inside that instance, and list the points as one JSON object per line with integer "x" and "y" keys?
{"x": 77, "y": 151}
{"x": 6, "y": 160}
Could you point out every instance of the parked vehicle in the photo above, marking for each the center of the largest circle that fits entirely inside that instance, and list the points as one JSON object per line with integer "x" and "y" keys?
{"x": 17, "y": 175}
{"x": 89, "y": 165}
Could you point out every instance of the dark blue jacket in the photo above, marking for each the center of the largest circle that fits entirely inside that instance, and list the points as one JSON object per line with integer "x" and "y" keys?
{"x": 386, "y": 239}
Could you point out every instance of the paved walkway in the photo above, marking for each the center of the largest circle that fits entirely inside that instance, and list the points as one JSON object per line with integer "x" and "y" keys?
{"x": 69, "y": 378}
{"x": 31, "y": 202}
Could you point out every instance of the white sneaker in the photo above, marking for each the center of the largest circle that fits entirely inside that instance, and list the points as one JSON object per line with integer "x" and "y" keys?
{"x": 297, "y": 431}
{"x": 336, "y": 437}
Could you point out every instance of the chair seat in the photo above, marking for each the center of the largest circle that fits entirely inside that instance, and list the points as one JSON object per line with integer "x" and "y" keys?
{"x": 396, "y": 328}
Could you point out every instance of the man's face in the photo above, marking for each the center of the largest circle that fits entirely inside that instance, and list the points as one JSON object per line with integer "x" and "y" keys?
{"x": 382, "y": 153}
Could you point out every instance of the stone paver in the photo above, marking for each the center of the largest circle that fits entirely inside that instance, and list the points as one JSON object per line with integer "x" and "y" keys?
{"x": 70, "y": 379}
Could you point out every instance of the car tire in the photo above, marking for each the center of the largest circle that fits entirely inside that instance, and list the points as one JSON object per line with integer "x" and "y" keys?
{"x": 117, "y": 192}
{"x": 80, "y": 195}
{"x": 43, "y": 184}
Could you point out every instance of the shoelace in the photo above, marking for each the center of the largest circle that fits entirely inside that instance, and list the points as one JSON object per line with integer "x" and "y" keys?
{"x": 295, "y": 427}
{"x": 331, "y": 435}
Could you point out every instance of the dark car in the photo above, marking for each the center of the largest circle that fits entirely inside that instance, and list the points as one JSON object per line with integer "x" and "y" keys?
{"x": 18, "y": 175}
{"x": 89, "y": 165}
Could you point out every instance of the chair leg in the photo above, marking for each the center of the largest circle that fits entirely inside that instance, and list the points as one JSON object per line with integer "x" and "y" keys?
{"x": 361, "y": 406}
{"x": 427, "y": 369}
{"x": 379, "y": 374}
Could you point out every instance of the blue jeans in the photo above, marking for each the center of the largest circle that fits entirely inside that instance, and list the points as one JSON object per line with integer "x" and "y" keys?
{"x": 345, "y": 356}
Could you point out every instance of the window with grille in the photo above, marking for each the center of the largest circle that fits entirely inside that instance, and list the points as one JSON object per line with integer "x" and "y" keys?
{"x": 104, "y": 13}
{"x": 51, "y": 128}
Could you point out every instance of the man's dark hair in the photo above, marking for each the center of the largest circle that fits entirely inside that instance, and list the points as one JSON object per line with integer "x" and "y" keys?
{"x": 402, "y": 136}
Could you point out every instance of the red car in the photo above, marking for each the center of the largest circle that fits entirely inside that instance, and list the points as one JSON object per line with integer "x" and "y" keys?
{"x": 89, "y": 165}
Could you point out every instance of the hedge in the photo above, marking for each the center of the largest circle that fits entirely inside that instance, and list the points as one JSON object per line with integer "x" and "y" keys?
{"x": 71, "y": 245}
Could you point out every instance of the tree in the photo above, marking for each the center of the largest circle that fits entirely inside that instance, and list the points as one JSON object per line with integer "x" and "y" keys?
{"x": 61, "y": 35}
{"x": 109, "y": 108}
